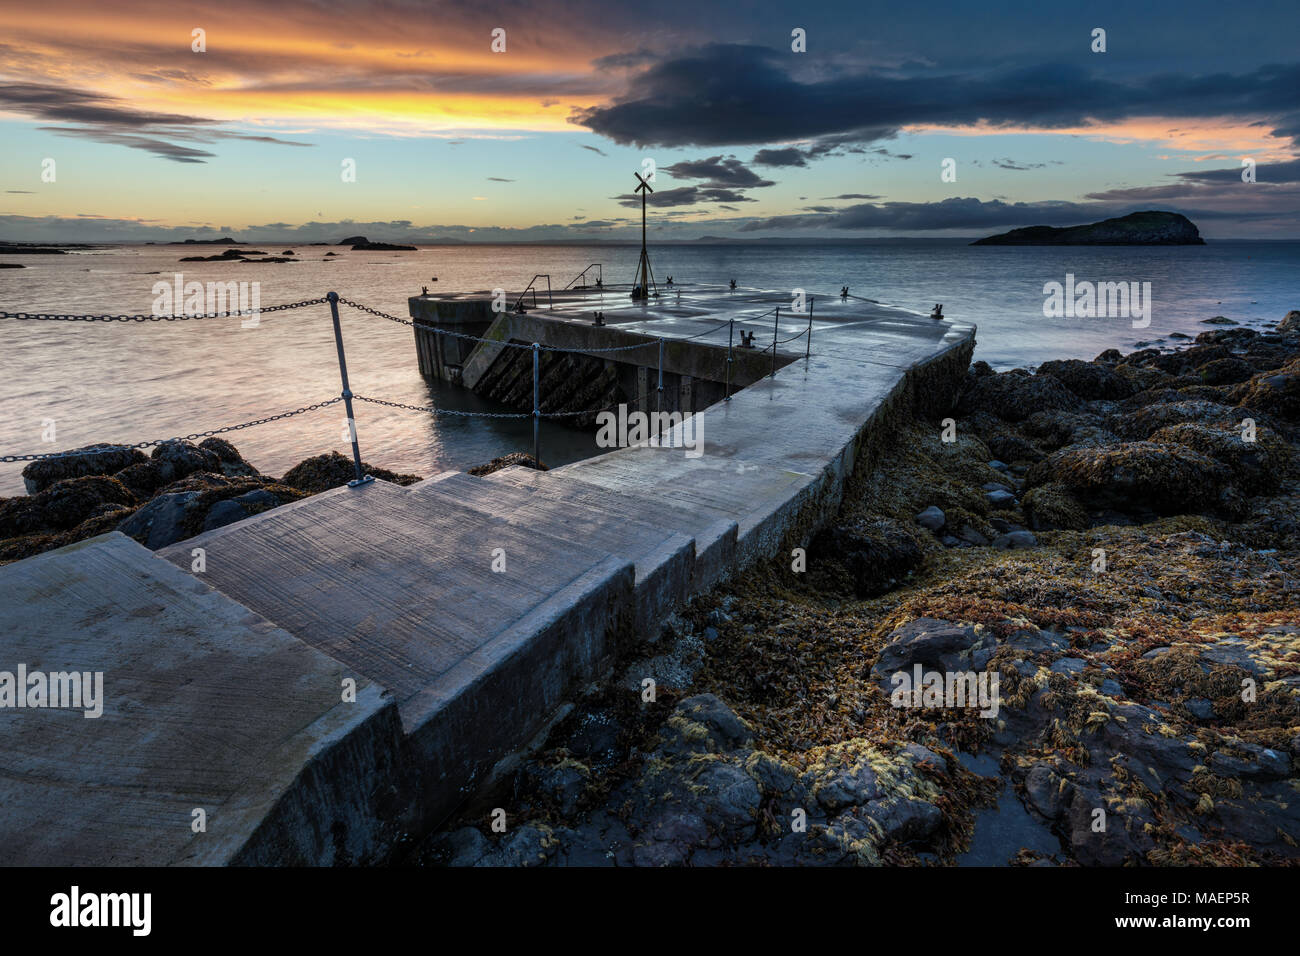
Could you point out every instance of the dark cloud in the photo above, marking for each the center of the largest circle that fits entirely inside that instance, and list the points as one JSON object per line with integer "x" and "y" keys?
{"x": 732, "y": 94}
{"x": 790, "y": 156}
{"x": 159, "y": 147}
{"x": 59, "y": 104}
{"x": 599, "y": 152}
{"x": 852, "y": 196}
{"x": 718, "y": 172}
{"x": 105, "y": 119}
{"x": 1283, "y": 172}
{"x": 1012, "y": 164}
{"x": 682, "y": 196}
{"x": 498, "y": 179}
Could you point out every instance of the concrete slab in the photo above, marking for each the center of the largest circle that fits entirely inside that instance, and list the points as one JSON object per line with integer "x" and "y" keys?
{"x": 400, "y": 588}
{"x": 663, "y": 559}
{"x": 206, "y": 706}
{"x": 713, "y": 531}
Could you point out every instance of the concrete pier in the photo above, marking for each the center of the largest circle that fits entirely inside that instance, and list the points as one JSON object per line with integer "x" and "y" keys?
{"x": 466, "y": 610}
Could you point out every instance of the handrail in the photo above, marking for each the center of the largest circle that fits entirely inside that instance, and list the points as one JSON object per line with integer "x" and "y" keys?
{"x": 532, "y": 285}
{"x": 600, "y": 276}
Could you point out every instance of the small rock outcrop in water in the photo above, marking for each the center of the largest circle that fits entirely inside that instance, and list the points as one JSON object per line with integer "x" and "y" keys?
{"x": 381, "y": 247}
{"x": 1150, "y": 228}
{"x": 522, "y": 459}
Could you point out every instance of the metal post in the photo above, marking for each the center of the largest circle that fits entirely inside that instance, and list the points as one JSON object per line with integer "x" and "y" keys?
{"x": 776, "y": 322}
{"x": 361, "y": 479}
{"x": 808, "y": 351}
{"x": 537, "y": 411}
{"x": 659, "y": 404}
{"x": 731, "y": 330}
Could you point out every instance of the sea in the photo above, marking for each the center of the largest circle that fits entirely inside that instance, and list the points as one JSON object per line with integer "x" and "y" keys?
{"x": 68, "y": 384}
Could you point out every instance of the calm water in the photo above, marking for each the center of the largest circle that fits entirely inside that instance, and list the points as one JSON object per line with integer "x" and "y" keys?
{"x": 143, "y": 381}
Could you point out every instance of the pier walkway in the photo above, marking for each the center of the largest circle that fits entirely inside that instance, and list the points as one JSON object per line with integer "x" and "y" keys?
{"x": 356, "y": 664}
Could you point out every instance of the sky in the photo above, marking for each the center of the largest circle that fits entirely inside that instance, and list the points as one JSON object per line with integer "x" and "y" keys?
{"x": 504, "y": 120}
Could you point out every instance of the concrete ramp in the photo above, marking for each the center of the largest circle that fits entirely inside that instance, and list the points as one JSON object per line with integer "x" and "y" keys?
{"x": 713, "y": 530}
{"x": 206, "y": 707}
{"x": 400, "y": 588}
{"x": 663, "y": 558}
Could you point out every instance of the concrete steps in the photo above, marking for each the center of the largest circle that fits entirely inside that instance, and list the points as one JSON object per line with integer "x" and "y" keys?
{"x": 400, "y": 588}
{"x": 713, "y": 529}
{"x": 206, "y": 706}
{"x": 663, "y": 559}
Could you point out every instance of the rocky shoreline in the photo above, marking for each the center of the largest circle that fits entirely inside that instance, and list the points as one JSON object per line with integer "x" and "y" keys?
{"x": 1098, "y": 534}
{"x": 1103, "y": 536}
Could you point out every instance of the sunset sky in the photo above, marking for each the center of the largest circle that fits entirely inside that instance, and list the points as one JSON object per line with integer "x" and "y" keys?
{"x": 151, "y": 140}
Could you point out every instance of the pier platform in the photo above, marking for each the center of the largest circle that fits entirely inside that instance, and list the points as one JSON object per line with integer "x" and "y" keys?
{"x": 466, "y": 610}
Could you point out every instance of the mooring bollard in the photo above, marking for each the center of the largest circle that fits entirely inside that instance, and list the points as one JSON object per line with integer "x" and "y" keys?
{"x": 361, "y": 479}
{"x": 537, "y": 411}
{"x": 731, "y": 330}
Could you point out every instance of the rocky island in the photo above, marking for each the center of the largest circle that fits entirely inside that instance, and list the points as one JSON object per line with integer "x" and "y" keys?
{"x": 1151, "y": 228}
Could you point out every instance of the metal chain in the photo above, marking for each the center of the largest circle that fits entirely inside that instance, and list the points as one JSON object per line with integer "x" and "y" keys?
{"x": 441, "y": 411}
{"x": 162, "y": 441}
{"x": 475, "y": 338}
{"x": 436, "y": 410}
{"x": 59, "y": 317}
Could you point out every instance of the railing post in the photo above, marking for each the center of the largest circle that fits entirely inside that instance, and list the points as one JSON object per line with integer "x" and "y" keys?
{"x": 776, "y": 322}
{"x": 659, "y": 401}
{"x": 808, "y": 351}
{"x": 361, "y": 479}
{"x": 731, "y": 331}
{"x": 537, "y": 409}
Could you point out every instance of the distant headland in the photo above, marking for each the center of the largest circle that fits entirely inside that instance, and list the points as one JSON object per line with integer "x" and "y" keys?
{"x": 1151, "y": 228}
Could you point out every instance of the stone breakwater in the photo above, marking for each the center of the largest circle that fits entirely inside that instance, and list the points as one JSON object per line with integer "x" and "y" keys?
{"x": 1102, "y": 535}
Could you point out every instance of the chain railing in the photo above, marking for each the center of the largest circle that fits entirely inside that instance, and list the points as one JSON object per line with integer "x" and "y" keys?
{"x": 346, "y": 396}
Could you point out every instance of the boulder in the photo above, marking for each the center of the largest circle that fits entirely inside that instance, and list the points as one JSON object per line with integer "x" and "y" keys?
{"x": 333, "y": 470}
{"x": 1165, "y": 478}
{"x": 1051, "y": 507}
{"x": 232, "y": 462}
{"x": 1088, "y": 380}
{"x": 928, "y": 642}
{"x": 180, "y": 458}
{"x": 877, "y": 554}
{"x": 1257, "y": 466}
{"x": 1014, "y": 396}
{"x": 61, "y": 506}
{"x": 1142, "y": 423}
{"x": 931, "y": 518}
{"x": 160, "y": 522}
{"x": 1226, "y": 371}
{"x": 98, "y": 459}
{"x": 1275, "y": 393}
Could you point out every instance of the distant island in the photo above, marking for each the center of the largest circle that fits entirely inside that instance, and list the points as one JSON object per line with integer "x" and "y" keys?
{"x": 365, "y": 245}
{"x": 1151, "y": 228}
